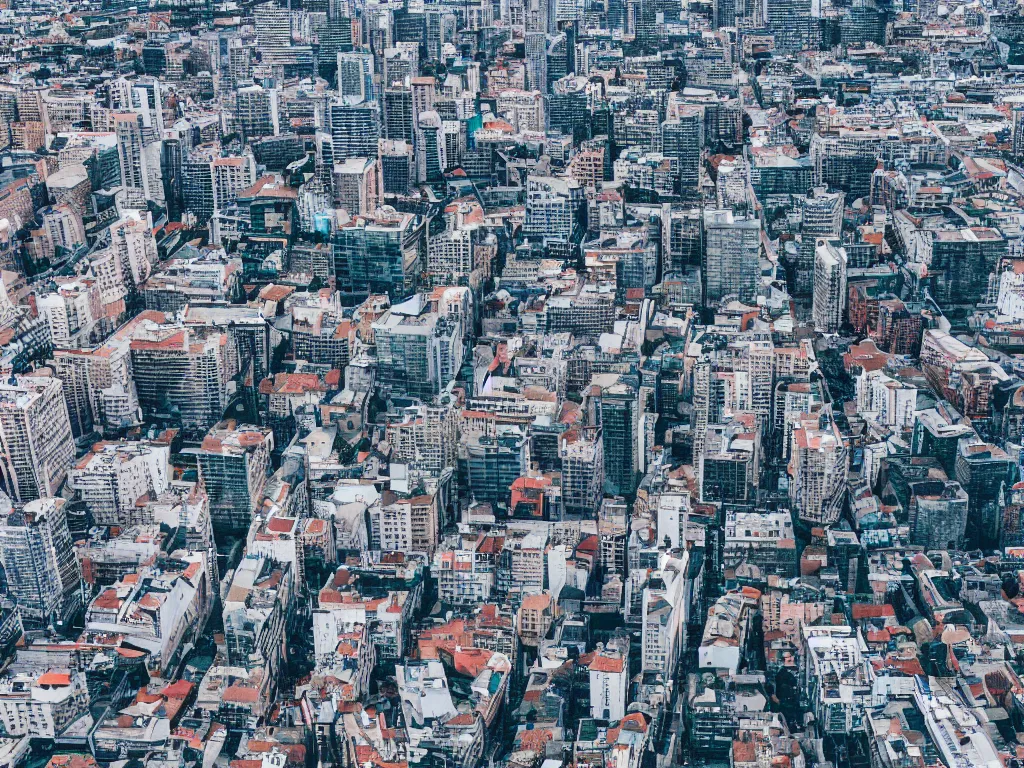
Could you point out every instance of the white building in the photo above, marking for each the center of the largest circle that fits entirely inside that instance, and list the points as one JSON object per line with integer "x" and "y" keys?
{"x": 132, "y": 241}
{"x": 1011, "y": 292}
{"x": 39, "y": 561}
{"x": 886, "y": 400}
{"x": 157, "y": 608}
{"x": 829, "y": 287}
{"x": 664, "y": 616}
{"x": 113, "y": 477}
{"x": 42, "y": 705}
{"x": 73, "y": 309}
{"x": 231, "y": 175}
{"x": 355, "y": 185}
{"x": 450, "y": 254}
{"x": 817, "y": 469}
{"x": 609, "y": 682}
{"x": 36, "y": 446}
{"x": 837, "y": 677}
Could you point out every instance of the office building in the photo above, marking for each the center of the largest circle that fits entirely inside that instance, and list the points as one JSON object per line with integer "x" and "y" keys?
{"x": 382, "y": 253}
{"x": 256, "y": 111}
{"x": 419, "y": 351}
{"x": 618, "y": 410}
{"x": 732, "y": 257}
{"x": 355, "y": 76}
{"x": 355, "y": 129}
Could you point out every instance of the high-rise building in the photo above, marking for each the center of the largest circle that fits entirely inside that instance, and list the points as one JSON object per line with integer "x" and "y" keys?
{"x": 618, "y": 412}
{"x": 963, "y": 261}
{"x": 113, "y": 477}
{"x": 427, "y": 435}
{"x": 39, "y": 561}
{"x": 938, "y": 514}
{"x": 821, "y": 215}
{"x": 683, "y": 139}
{"x": 273, "y": 28}
{"x": 817, "y": 468}
{"x": 396, "y": 166}
{"x": 724, "y": 13}
{"x": 488, "y": 465}
{"x": 197, "y": 183}
{"x": 732, "y": 253}
{"x": 829, "y": 287}
{"x": 581, "y": 452}
{"x": 255, "y": 614}
{"x": 133, "y": 245}
{"x": 355, "y": 185}
{"x": 431, "y": 154}
{"x": 128, "y": 128}
{"x": 234, "y": 462}
{"x": 355, "y": 130}
{"x": 256, "y": 111}
{"x": 380, "y": 254}
{"x": 419, "y": 351}
{"x": 729, "y": 464}
{"x": 36, "y": 445}
{"x": 984, "y": 470}
{"x": 552, "y": 208}
{"x": 424, "y": 91}
{"x": 398, "y": 112}
{"x": 182, "y": 373}
{"x": 231, "y": 175}
{"x": 400, "y": 65}
{"x": 794, "y": 24}
{"x": 355, "y": 76}
{"x": 537, "y": 61}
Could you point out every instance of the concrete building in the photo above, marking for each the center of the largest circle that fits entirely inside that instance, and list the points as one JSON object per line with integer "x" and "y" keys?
{"x": 355, "y": 185}
{"x": 113, "y": 478}
{"x": 829, "y": 287}
{"x": 732, "y": 257}
{"x": 838, "y": 678}
{"x": 582, "y": 454}
{"x": 42, "y": 703}
{"x": 729, "y": 466}
{"x": 405, "y": 524}
{"x": 72, "y": 311}
{"x": 938, "y": 514}
{"x": 817, "y": 469}
{"x": 234, "y": 462}
{"x": 157, "y": 608}
{"x": 608, "y": 669}
{"x": 257, "y": 605}
{"x": 36, "y": 445}
{"x": 665, "y": 613}
{"x": 984, "y": 470}
{"x": 38, "y": 556}
{"x": 759, "y": 544}
{"x": 419, "y": 351}
{"x": 182, "y": 372}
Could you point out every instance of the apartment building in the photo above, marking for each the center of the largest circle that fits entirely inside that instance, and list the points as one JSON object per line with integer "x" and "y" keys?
{"x": 113, "y": 478}
{"x": 234, "y": 462}
{"x": 36, "y": 444}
